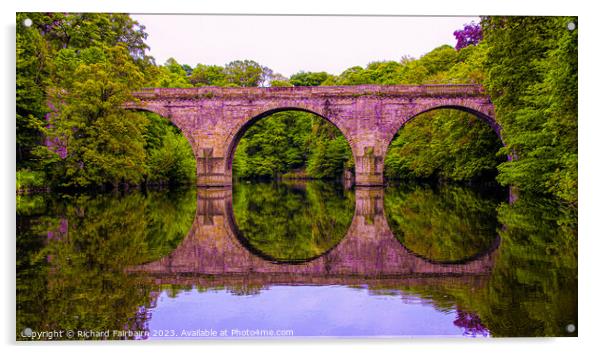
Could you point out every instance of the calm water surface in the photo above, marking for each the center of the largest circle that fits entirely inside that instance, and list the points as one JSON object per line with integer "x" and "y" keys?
{"x": 296, "y": 259}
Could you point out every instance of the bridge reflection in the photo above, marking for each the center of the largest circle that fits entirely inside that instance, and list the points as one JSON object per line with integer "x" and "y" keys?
{"x": 368, "y": 252}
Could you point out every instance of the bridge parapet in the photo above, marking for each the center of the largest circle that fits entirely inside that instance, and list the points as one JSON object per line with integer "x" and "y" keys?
{"x": 214, "y": 92}
{"x": 214, "y": 119}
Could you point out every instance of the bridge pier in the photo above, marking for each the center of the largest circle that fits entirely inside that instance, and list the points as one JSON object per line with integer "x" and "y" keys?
{"x": 214, "y": 119}
{"x": 369, "y": 168}
{"x": 368, "y": 251}
{"x": 210, "y": 170}
{"x": 210, "y": 147}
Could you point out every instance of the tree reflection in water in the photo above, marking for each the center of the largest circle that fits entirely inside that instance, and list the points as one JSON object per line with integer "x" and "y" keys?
{"x": 72, "y": 253}
{"x": 532, "y": 290}
{"x": 448, "y": 224}
{"x": 292, "y": 222}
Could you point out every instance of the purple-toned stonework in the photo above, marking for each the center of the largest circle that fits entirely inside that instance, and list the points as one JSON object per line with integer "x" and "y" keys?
{"x": 368, "y": 251}
{"x": 214, "y": 119}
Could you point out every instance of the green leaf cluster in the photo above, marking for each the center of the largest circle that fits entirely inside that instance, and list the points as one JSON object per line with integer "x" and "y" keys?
{"x": 531, "y": 74}
{"x": 292, "y": 222}
{"x": 73, "y": 255}
{"x": 292, "y": 141}
{"x": 447, "y": 144}
{"x": 74, "y": 71}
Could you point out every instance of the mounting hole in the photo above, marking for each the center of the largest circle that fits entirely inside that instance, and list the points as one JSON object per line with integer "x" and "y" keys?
{"x": 571, "y": 26}
{"x": 571, "y": 328}
{"x": 27, "y": 22}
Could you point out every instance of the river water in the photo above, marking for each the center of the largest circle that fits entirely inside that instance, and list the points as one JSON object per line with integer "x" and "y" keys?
{"x": 295, "y": 259}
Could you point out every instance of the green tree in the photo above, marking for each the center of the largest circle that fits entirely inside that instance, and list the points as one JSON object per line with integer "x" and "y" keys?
{"x": 208, "y": 75}
{"x": 292, "y": 141}
{"x": 247, "y": 73}
{"x": 83, "y": 30}
{"x": 447, "y": 144}
{"x": 330, "y": 153}
{"x": 95, "y": 142}
{"x": 73, "y": 73}
{"x": 187, "y": 69}
{"x": 279, "y": 80}
{"x": 274, "y": 145}
{"x": 353, "y": 76}
{"x": 531, "y": 74}
{"x": 32, "y": 69}
{"x": 170, "y": 159}
{"x": 439, "y": 59}
{"x": 303, "y": 78}
{"x": 172, "y": 74}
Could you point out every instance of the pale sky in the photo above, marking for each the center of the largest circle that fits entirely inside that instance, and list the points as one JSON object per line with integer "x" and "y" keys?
{"x": 289, "y": 44}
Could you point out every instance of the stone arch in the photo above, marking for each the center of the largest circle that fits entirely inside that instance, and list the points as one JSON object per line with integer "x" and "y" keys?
{"x": 214, "y": 119}
{"x": 236, "y": 135}
{"x": 483, "y": 112}
{"x": 166, "y": 113}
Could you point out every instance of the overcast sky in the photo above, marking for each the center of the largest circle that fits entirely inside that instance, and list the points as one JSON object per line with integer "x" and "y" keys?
{"x": 289, "y": 44}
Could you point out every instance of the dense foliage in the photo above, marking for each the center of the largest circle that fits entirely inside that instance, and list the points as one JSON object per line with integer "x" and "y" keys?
{"x": 73, "y": 73}
{"x": 292, "y": 222}
{"x": 531, "y": 74}
{"x": 73, "y": 253}
{"x": 292, "y": 144}
{"x": 447, "y": 143}
{"x": 450, "y": 224}
{"x": 74, "y": 70}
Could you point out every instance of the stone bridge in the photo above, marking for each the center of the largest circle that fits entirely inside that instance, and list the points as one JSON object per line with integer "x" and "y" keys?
{"x": 214, "y": 119}
{"x": 368, "y": 252}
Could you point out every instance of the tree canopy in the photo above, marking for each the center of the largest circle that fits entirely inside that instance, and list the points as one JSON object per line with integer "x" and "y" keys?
{"x": 74, "y": 70}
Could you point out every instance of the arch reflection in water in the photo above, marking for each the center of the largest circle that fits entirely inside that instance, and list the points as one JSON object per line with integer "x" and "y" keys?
{"x": 74, "y": 270}
{"x": 448, "y": 224}
{"x": 291, "y": 222}
{"x": 367, "y": 249}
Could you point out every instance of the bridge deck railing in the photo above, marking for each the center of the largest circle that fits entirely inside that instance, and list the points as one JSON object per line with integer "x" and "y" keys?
{"x": 208, "y": 92}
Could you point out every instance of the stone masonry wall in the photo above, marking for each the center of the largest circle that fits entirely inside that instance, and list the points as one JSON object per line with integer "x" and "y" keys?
{"x": 214, "y": 119}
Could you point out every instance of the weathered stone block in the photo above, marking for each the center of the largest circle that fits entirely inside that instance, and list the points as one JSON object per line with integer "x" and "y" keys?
{"x": 214, "y": 119}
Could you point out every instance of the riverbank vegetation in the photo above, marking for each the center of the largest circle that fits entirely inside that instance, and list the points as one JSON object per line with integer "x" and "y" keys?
{"x": 75, "y": 70}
